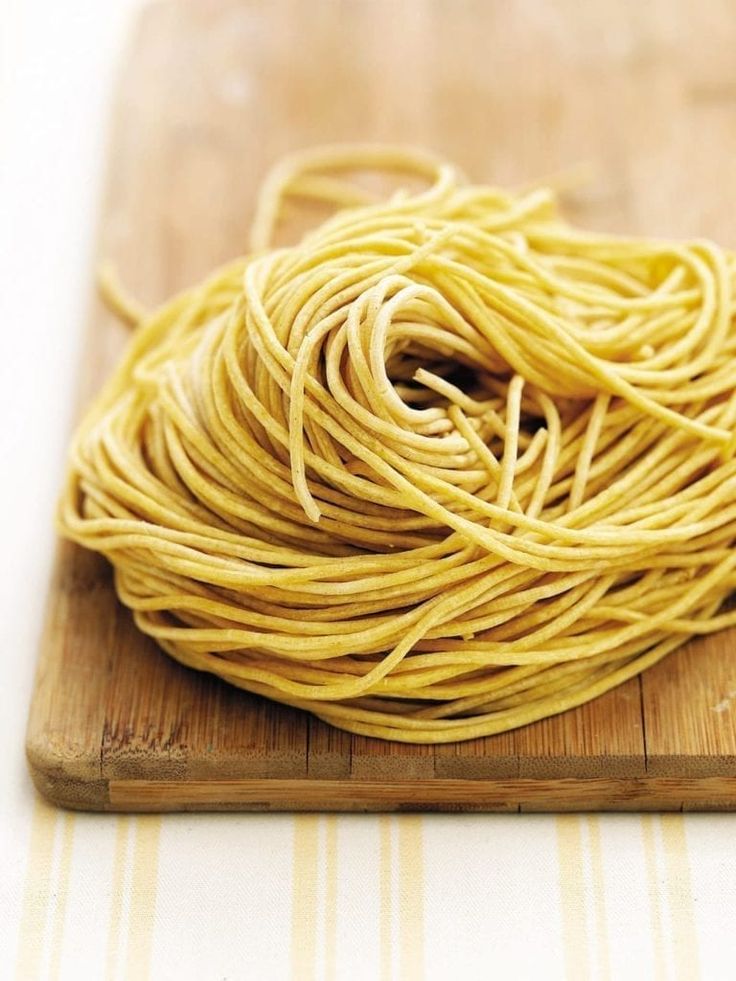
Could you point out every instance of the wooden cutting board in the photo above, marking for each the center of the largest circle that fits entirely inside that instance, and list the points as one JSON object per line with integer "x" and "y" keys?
{"x": 211, "y": 93}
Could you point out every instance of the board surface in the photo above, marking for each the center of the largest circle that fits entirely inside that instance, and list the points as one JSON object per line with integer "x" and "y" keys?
{"x": 211, "y": 93}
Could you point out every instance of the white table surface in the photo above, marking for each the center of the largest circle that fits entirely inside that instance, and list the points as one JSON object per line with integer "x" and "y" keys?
{"x": 262, "y": 896}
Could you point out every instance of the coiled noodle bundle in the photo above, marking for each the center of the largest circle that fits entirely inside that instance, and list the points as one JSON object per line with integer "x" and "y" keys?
{"x": 446, "y": 466}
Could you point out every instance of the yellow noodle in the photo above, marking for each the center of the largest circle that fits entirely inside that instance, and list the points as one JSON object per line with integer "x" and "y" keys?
{"x": 446, "y": 466}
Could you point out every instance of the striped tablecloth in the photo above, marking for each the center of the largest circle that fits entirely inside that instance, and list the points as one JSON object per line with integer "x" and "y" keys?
{"x": 392, "y": 896}
{"x": 261, "y": 897}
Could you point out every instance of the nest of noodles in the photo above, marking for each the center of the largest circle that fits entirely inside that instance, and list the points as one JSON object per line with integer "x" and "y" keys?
{"x": 446, "y": 466}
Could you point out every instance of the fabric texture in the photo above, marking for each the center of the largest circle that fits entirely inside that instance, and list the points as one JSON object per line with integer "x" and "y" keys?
{"x": 363, "y": 896}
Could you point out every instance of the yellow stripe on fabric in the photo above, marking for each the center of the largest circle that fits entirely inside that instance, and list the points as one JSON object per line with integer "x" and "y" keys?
{"x": 62, "y": 895}
{"x": 599, "y": 897}
{"x": 144, "y": 884}
{"x": 122, "y": 833}
{"x": 655, "y": 905}
{"x": 331, "y": 897}
{"x": 411, "y": 897}
{"x": 304, "y": 897}
{"x": 680, "y": 892}
{"x": 37, "y": 890}
{"x": 385, "y": 875}
{"x": 574, "y": 926}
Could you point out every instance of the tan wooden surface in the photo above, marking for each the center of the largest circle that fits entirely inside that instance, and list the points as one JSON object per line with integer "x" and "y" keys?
{"x": 211, "y": 93}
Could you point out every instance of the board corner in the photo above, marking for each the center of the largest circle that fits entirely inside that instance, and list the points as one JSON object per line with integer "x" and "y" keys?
{"x": 62, "y": 783}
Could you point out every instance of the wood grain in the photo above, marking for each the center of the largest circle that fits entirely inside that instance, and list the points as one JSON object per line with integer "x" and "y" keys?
{"x": 657, "y": 793}
{"x": 211, "y": 93}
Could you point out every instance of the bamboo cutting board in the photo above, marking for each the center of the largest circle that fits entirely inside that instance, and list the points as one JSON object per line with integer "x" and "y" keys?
{"x": 211, "y": 93}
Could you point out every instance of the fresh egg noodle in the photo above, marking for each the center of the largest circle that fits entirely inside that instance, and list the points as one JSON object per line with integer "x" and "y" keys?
{"x": 446, "y": 466}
